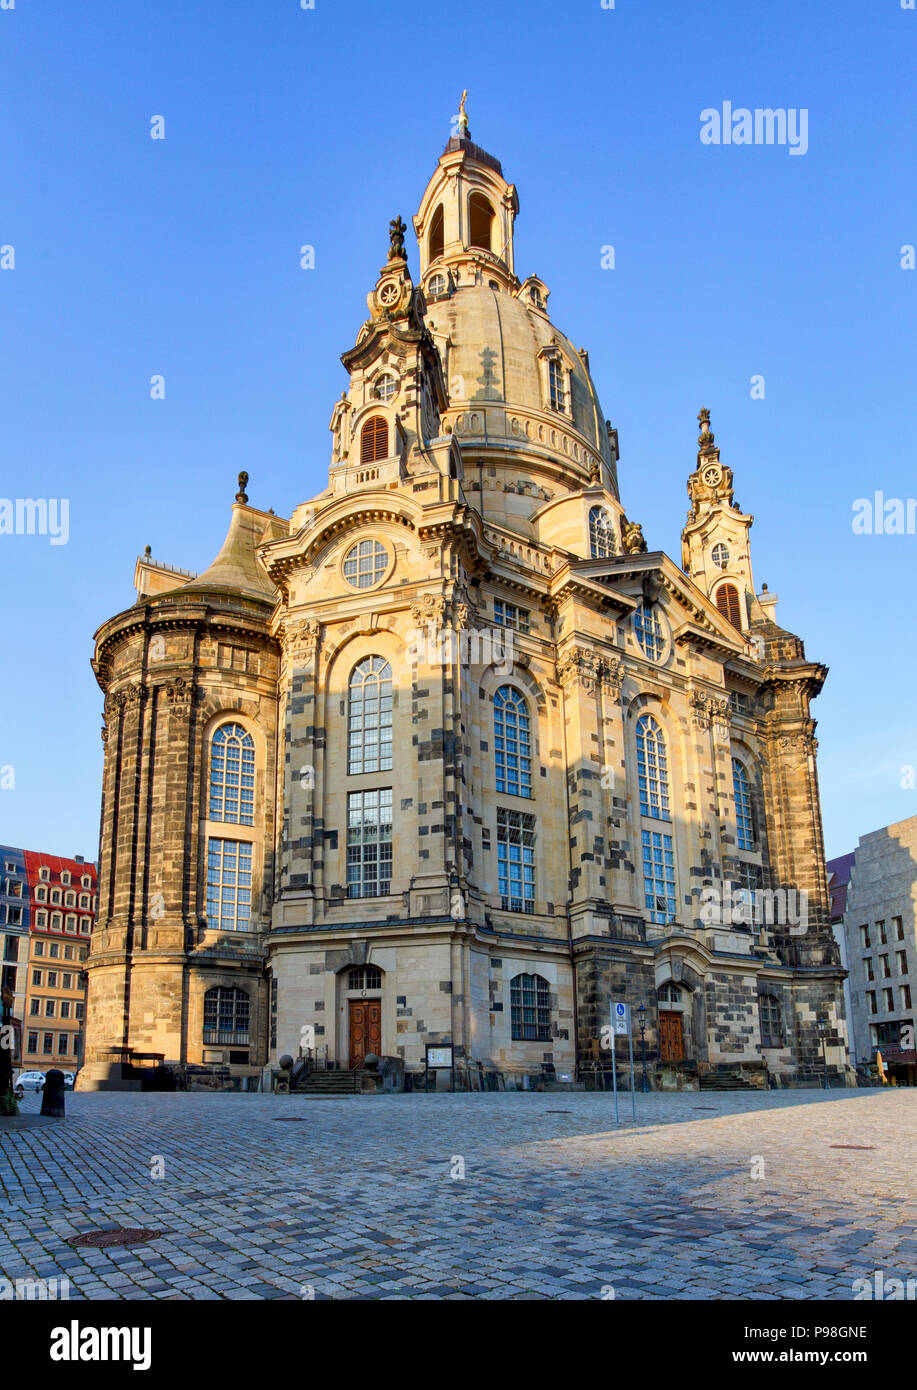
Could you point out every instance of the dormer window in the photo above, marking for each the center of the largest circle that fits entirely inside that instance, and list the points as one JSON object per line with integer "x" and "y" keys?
{"x": 720, "y": 556}
{"x": 480, "y": 222}
{"x": 44, "y": 874}
{"x": 601, "y": 533}
{"x": 386, "y": 387}
{"x": 65, "y": 876}
{"x": 536, "y": 297}
{"x": 557, "y": 395}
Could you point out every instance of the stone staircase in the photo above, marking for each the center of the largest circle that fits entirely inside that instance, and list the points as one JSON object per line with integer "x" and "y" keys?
{"x": 726, "y": 1081}
{"x": 333, "y": 1083}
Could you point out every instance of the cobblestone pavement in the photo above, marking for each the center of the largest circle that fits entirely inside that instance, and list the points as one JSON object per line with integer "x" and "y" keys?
{"x": 362, "y": 1197}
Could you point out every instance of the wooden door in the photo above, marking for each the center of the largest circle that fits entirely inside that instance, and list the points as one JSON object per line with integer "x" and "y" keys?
{"x": 365, "y": 1029}
{"x": 671, "y": 1039}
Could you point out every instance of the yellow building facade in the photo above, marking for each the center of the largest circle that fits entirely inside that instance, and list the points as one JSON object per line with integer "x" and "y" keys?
{"x": 450, "y": 758}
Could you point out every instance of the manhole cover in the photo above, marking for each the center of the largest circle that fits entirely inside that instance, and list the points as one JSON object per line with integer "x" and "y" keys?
{"x": 122, "y": 1235}
{"x": 871, "y": 1147}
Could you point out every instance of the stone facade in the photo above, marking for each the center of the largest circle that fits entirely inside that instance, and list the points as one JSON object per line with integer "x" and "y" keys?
{"x": 566, "y": 710}
{"x": 879, "y": 929}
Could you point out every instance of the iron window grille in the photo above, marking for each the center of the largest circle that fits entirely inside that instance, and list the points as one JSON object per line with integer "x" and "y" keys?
{"x": 530, "y": 1008}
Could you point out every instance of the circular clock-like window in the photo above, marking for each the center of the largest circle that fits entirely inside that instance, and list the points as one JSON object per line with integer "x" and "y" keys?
{"x": 712, "y": 475}
{"x": 389, "y": 293}
{"x": 365, "y": 563}
{"x": 720, "y": 556}
{"x": 386, "y": 388}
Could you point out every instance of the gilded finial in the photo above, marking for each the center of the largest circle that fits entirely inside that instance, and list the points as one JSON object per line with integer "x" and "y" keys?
{"x": 464, "y": 131}
{"x": 241, "y": 495}
{"x": 705, "y": 438}
{"x": 396, "y": 231}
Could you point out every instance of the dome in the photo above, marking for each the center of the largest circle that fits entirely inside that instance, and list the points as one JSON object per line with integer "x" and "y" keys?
{"x": 496, "y": 349}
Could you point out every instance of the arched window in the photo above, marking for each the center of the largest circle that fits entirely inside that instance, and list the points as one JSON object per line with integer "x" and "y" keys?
{"x": 771, "y": 1019}
{"x": 530, "y": 1008}
{"x": 648, "y": 630}
{"x": 668, "y": 994}
{"x": 720, "y": 556}
{"x": 727, "y": 601}
{"x": 652, "y": 769}
{"x": 232, "y": 775}
{"x": 744, "y": 820}
{"x": 601, "y": 533}
{"x": 374, "y": 440}
{"x": 436, "y": 285}
{"x": 227, "y": 1014}
{"x": 369, "y": 719}
{"x": 480, "y": 220}
{"x": 41, "y": 918}
{"x": 512, "y": 742}
{"x": 437, "y": 234}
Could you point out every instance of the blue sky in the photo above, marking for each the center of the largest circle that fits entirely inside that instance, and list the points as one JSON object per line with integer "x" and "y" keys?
{"x": 284, "y": 126}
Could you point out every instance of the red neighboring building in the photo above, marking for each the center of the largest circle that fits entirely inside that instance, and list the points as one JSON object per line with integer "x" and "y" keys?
{"x": 63, "y": 896}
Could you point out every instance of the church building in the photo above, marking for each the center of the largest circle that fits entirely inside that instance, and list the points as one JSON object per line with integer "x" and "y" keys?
{"x": 450, "y": 758}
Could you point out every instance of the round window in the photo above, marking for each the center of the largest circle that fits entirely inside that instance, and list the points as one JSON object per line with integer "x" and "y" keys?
{"x": 720, "y": 556}
{"x": 365, "y": 564}
{"x": 386, "y": 388}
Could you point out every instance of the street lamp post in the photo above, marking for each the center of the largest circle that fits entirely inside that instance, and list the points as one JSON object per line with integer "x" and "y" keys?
{"x": 641, "y": 1014}
{"x": 822, "y": 1030}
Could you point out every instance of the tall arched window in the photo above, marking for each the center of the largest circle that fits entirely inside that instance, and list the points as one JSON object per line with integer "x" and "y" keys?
{"x": 530, "y": 1008}
{"x": 374, "y": 440}
{"x": 745, "y": 826}
{"x": 437, "y": 234}
{"x": 601, "y": 533}
{"x": 369, "y": 719}
{"x": 232, "y": 775}
{"x": 652, "y": 769}
{"x": 480, "y": 219}
{"x": 727, "y": 601}
{"x": 512, "y": 742}
{"x": 226, "y": 1016}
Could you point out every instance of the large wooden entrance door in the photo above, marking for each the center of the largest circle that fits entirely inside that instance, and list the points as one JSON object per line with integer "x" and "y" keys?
{"x": 671, "y": 1038}
{"x": 365, "y": 1029}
